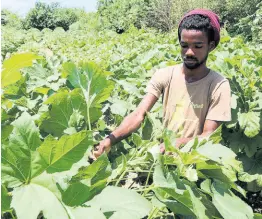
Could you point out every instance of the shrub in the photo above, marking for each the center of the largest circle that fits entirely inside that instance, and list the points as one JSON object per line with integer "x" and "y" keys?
{"x": 231, "y": 11}
{"x": 10, "y": 19}
{"x": 251, "y": 26}
{"x": 119, "y": 15}
{"x": 50, "y": 16}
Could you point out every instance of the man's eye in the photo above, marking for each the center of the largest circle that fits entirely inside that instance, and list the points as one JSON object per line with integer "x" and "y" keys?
{"x": 198, "y": 47}
{"x": 184, "y": 46}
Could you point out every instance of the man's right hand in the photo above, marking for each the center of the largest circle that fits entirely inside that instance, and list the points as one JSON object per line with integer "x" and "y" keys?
{"x": 103, "y": 146}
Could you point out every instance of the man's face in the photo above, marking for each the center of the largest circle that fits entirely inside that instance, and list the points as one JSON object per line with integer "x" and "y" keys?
{"x": 194, "y": 48}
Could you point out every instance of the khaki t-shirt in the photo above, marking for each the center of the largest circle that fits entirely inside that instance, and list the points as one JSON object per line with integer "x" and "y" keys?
{"x": 188, "y": 105}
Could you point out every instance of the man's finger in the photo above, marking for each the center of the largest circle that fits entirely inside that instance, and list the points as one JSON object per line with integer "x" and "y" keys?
{"x": 92, "y": 157}
{"x": 99, "y": 151}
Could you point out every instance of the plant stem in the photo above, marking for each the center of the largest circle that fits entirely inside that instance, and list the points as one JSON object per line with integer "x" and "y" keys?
{"x": 86, "y": 95}
{"x": 153, "y": 213}
{"x": 120, "y": 178}
{"x": 147, "y": 179}
{"x": 12, "y": 215}
{"x": 88, "y": 119}
{"x": 145, "y": 189}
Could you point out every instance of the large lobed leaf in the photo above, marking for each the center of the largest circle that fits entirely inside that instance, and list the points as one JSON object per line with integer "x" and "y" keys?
{"x": 88, "y": 182}
{"x": 29, "y": 200}
{"x": 249, "y": 122}
{"x": 25, "y": 133}
{"x": 251, "y": 168}
{"x": 20, "y": 165}
{"x": 123, "y": 203}
{"x": 64, "y": 104}
{"x": 91, "y": 79}
{"x": 11, "y": 67}
{"x": 61, "y": 154}
{"x": 20, "y": 161}
{"x": 95, "y": 172}
{"x": 229, "y": 205}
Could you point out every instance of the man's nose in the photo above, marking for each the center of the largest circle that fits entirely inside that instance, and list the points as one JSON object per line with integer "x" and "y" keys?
{"x": 189, "y": 52}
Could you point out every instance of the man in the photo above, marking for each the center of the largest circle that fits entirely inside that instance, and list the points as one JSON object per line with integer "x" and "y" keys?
{"x": 196, "y": 98}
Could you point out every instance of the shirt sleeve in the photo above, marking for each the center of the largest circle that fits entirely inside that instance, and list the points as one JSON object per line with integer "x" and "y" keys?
{"x": 220, "y": 107}
{"x": 159, "y": 82}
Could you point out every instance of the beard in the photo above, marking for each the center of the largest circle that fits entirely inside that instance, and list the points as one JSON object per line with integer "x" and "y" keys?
{"x": 193, "y": 63}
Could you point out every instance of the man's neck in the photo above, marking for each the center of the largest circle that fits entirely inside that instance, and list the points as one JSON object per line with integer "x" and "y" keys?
{"x": 192, "y": 75}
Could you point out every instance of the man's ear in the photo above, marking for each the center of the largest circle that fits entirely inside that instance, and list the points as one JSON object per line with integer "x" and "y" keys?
{"x": 212, "y": 46}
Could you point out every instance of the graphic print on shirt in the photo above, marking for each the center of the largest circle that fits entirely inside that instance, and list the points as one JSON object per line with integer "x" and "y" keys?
{"x": 183, "y": 111}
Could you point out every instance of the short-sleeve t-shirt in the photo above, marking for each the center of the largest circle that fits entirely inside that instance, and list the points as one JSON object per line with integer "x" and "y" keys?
{"x": 188, "y": 105}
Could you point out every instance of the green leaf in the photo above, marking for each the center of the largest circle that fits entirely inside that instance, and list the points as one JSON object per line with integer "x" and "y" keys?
{"x": 76, "y": 194}
{"x": 11, "y": 67}
{"x": 223, "y": 154}
{"x": 229, "y": 205}
{"x": 191, "y": 174}
{"x": 40, "y": 78}
{"x": 99, "y": 170}
{"x": 121, "y": 166}
{"x": 169, "y": 184}
{"x": 61, "y": 154}
{"x": 63, "y": 105}
{"x": 206, "y": 186}
{"x": 88, "y": 182}
{"x": 147, "y": 129}
{"x": 28, "y": 201}
{"x": 178, "y": 203}
{"x": 120, "y": 107}
{"x": 5, "y": 199}
{"x": 211, "y": 169}
{"x": 74, "y": 76}
{"x": 5, "y": 132}
{"x": 92, "y": 79}
{"x": 20, "y": 165}
{"x": 82, "y": 212}
{"x": 252, "y": 168}
{"x": 257, "y": 216}
{"x": 25, "y": 133}
{"x": 238, "y": 142}
{"x": 122, "y": 202}
{"x": 199, "y": 208}
{"x": 216, "y": 137}
{"x": 16, "y": 90}
{"x": 249, "y": 122}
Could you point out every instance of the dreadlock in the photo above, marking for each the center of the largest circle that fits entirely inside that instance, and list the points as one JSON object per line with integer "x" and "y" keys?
{"x": 197, "y": 22}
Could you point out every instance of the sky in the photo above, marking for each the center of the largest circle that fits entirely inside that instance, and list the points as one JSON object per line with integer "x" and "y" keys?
{"x": 21, "y": 7}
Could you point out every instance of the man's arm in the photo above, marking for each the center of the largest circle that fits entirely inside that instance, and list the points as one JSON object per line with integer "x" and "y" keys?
{"x": 209, "y": 127}
{"x": 130, "y": 124}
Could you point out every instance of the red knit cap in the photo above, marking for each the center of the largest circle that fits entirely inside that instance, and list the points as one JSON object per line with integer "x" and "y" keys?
{"x": 214, "y": 20}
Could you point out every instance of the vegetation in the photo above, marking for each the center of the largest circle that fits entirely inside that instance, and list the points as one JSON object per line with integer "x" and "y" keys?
{"x": 63, "y": 91}
{"x": 50, "y": 16}
{"x": 10, "y": 19}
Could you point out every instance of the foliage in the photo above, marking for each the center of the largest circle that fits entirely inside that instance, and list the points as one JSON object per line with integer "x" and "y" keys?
{"x": 51, "y": 101}
{"x": 50, "y": 16}
{"x": 12, "y": 39}
{"x": 120, "y": 15}
{"x": 165, "y": 14}
{"x": 250, "y": 26}
{"x": 10, "y": 19}
{"x": 231, "y": 12}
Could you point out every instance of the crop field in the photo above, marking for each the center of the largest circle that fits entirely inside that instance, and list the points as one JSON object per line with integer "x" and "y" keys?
{"x": 64, "y": 91}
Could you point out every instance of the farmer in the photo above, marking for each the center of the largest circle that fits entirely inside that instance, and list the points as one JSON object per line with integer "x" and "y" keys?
{"x": 196, "y": 99}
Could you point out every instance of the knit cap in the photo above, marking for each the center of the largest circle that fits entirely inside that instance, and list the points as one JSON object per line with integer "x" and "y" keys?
{"x": 214, "y": 21}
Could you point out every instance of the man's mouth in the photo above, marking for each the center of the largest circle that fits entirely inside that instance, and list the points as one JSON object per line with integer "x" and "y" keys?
{"x": 190, "y": 60}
